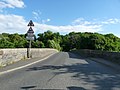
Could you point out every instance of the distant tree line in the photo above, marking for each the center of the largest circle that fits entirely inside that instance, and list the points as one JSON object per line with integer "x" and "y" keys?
{"x": 48, "y": 39}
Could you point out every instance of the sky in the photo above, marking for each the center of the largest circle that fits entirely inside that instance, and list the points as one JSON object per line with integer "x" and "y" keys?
{"x": 63, "y": 16}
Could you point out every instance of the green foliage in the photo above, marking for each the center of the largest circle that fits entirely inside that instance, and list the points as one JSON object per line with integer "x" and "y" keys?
{"x": 48, "y": 39}
{"x": 97, "y": 41}
{"x": 18, "y": 40}
{"x": 37, "y": 44}
{"x": 53, "y": 44}
{"x": 93, "y": 41}
{"x": 66, "y": 46}
{"x": 6, "y": 44}
{"x": 112, "y": 43}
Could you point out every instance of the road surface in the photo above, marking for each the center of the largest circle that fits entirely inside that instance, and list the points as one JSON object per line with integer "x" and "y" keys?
{"x": 62, "y": 71}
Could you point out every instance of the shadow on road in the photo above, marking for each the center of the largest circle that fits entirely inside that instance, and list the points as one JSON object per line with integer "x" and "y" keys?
{"x": 91, "y": 73}
{"x": 28, "y": 87}
{"x": 68, "y": 88}
{"x": 75, "y": 88}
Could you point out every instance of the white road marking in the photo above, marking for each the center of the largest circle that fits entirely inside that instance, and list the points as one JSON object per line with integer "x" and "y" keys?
{"x": 7, "y": 71}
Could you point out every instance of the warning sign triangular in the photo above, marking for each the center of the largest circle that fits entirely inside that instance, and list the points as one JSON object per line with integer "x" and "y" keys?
{"x": 30, "y": 23}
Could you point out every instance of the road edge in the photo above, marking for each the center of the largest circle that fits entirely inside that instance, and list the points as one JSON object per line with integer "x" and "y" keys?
{"x": 107, "y": 63}
{"x": 14, "y": 69}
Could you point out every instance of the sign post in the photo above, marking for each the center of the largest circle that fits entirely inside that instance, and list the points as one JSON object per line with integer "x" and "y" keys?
{"x": 30, "y": 37}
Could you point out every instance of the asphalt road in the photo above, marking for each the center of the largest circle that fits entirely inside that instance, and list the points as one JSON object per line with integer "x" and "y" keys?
{"x": 62, "y": 71}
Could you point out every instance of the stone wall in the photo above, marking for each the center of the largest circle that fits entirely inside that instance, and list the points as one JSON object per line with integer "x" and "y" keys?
{"x": 42, "y": 52}
{"x": 111, "y": 56}
{"x": 9, "y": 56}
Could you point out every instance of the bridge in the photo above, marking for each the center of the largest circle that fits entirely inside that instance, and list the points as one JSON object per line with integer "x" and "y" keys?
{"x": 59, "y": 71}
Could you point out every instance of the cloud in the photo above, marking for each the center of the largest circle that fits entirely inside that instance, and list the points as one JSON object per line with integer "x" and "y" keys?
{"x": 17, "y": 24}
{"x": 48, "y": 20}
{"x": 68, "y": 28}
{"x": 11, "y": 4}
{"x": 12, "y": 24}
{"x": 37, "y": 15}
{"x": 111, "y": 21}
{"x": 4, "y": 5}
{"x": 81, "y": 21}
{"x": 45, "y": 21}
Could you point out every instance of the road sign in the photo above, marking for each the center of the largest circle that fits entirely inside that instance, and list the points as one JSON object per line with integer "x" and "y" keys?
{"x": 30, "y": 36}
{"x": 30, "y": 23}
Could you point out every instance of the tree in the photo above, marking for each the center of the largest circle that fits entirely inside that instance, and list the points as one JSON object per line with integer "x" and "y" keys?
{"x": 53, "y": 44}
{"x": 113, "y": 43}
{"x": 37, "y": 44}
{"x": 50, "y": 39}
{"x": 19, "y": 42}
{"x": 65, "y": 45}
{"x": 6, "y": 44}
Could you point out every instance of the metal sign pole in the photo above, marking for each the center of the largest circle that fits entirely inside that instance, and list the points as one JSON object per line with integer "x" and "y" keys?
{"x": 29, "y": 50}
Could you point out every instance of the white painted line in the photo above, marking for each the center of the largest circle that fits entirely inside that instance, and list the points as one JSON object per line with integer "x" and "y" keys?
{"x": 7, "y": 71}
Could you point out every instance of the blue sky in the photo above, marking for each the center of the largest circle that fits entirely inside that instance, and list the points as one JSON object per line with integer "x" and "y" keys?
{"x": 64, "y": 16}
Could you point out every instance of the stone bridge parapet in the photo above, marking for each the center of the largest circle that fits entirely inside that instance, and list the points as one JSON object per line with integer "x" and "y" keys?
{"x": 9, "y": 56}
{"x": 110, "y": 56}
